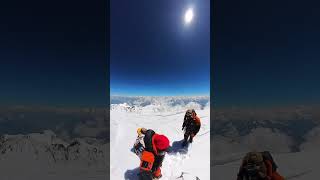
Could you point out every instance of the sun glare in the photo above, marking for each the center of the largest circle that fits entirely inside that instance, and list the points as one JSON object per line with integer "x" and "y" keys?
{"x": 188, "y": 16}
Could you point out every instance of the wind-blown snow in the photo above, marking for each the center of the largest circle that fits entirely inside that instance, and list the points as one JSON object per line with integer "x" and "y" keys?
{"x": 164, "y": 116}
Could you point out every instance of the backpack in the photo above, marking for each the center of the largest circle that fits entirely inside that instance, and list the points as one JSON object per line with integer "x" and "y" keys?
{"x": 253, "y": 157}
{"x": 253, "y": 165}
{"x": 267, "y": 156}
{"x": 188, "y": 119}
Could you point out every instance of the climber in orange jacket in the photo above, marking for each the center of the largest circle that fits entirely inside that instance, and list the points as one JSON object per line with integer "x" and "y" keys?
{"x": 154, "y": 148}
{"x": 258, "y": 166}
{"x": 191, "y": 126}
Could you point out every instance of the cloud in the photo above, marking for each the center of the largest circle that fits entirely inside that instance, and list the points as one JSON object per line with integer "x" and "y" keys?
{"x": 96, "y": 127}
{"x": 262, "y": 139}
{"x": 66, "y": 122}
{"x": 312, "y": 140}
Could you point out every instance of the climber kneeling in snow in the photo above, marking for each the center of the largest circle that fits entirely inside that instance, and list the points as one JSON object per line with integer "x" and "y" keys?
{"x": 258, "y": 166}
{"x": 191, "y": 125}
{"x": 151, "y": 150}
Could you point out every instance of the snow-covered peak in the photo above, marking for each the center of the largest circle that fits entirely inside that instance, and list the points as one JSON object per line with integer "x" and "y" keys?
{"x": 46, "y": 148}
{"x": 158, "y": 104}
{"x": 159, "y": 100}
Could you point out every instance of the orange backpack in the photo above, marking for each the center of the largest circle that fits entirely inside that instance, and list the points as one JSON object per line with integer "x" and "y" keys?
{"x": 147, "y": 160}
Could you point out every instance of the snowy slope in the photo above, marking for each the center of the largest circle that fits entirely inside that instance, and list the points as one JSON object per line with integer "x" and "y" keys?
{"x": 164, "y": 118}
{"x": 295, "y": 166}
{"x": 292, "y": 134}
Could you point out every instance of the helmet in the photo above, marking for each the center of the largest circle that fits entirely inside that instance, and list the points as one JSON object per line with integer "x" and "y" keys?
{"x": 139, "y": 131}
{"x": 189, "y": 112}
{"x": 161, "y": 142}
{"x": 254, "y": 157}
{"x": 193, "y": 112}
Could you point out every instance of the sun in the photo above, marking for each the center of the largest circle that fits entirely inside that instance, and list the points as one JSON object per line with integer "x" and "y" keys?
{"x": 188, "y": 17}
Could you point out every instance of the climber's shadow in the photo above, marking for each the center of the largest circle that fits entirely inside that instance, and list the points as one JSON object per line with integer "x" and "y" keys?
{"x": 131, "y": 174}
{"x": 177, "y": 147}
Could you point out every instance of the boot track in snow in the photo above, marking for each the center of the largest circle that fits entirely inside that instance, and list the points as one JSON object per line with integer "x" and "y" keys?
{"x": 186, "y": 173}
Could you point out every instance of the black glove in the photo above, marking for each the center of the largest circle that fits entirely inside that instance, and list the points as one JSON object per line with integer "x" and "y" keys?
{"x": 138, "y": 149}
{"x": 182, "y": 128}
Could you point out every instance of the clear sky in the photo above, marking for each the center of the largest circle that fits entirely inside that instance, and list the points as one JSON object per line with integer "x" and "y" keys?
{"x": 155, "y": 52}
{"x": 53, "y": 53}
{"x": 266, "y": 52}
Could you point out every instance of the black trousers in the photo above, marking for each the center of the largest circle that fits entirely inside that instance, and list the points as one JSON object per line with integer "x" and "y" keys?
{"x": 191, "y": 130}
{"x": 145, "y": 175}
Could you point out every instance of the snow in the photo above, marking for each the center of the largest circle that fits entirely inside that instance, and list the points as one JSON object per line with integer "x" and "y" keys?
{"x": 303, "y": 165}
{"x": 312, "y": 142}
{"x": 45, "y": 156}
{"x": 297, "y": 166}
{"x": 164, "y": 117}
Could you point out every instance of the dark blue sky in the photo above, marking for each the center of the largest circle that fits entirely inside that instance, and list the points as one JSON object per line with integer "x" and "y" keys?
{"x": 53, "y": 53}
{"x": 265, "y": 52}
{"x": 154, "y": 53}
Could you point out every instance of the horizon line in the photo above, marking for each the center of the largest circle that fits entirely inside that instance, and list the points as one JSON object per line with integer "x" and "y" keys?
{"x": 160, "y": 95}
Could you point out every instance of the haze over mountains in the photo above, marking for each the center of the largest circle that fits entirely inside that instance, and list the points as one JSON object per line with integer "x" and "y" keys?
{"x": 291, "y": 133}
{"x": 283, "y": 129}
{"x": 67, "y": 123}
